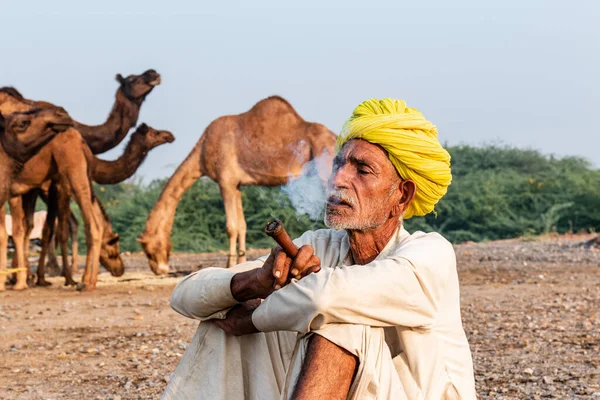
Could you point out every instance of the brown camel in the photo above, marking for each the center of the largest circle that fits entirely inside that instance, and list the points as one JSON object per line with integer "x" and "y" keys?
{"x": 22, "y": 135}
{"x": 124, "y": 115}
{"x": 129, "y": 97}
{"x": 264, "y": 146}
{"x": 66, "y": 160}
{"x": 143, "y": 140}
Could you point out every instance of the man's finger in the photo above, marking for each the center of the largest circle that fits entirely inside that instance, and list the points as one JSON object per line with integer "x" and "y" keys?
{"x": 281, "y": 267}
{"x": 313, "y": 265}
{"x": 301, "y": 261}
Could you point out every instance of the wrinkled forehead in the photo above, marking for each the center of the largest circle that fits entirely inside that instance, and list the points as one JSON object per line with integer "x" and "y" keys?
{"x": 363, "y": 151}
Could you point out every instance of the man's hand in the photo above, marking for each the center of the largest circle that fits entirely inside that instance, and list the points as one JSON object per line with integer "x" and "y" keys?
{"x": 277, "y": 271}
{"x": 284, "y": 268}
{"x": 238, "y": 321}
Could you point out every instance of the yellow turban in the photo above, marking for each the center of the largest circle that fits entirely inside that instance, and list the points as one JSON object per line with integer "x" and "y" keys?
{"x": 411, "y": 143}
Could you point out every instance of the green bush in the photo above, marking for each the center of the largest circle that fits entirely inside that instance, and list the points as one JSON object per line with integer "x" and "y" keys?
{"x": 496, "y": 193}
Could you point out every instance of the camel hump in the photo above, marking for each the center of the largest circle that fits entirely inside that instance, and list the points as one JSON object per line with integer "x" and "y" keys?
{"x": 11, "y": 91}
{"x": 273, "y": 105}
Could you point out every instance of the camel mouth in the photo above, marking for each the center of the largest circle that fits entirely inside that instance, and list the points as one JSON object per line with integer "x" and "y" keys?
{"x": 155, "y": 82}
{"x": 118, "y": 273}
{"x": 169, "y": 138}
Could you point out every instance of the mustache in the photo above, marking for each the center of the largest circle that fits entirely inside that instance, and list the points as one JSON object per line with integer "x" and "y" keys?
{"x": 340, "y": 197}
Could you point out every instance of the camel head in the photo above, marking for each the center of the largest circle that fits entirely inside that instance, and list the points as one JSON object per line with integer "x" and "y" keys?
{"x": 110, "y": 256}
{"x": 137, "y": 87}
{"x": 151, "y": 138}
{"x": 157, "y": 251}
{"x": 25, "y": 133}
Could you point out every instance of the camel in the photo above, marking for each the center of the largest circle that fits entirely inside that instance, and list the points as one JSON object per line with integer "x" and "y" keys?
{"x": 66, "y": 160}
{"x": 266, "y": 145}
{"x": 22, "y": 135}
{"x": 130, "y": 95}
{"x": 129, "y": 98}
{"x": 144, "y": 139}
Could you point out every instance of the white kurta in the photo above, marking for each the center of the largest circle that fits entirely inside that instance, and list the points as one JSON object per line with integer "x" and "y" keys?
{"x": 400, "y": 315}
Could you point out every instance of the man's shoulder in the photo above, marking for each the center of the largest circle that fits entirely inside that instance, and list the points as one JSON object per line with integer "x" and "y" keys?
{"x": 330, "y": 236}
{"x": 425, "y": 246}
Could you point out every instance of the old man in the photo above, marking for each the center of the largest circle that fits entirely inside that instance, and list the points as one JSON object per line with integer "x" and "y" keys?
{"x": 364, "y": 310}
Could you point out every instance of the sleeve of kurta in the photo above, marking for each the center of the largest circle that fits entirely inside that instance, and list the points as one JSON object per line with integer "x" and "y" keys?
{"x": 402, "y": 290}
{"x": 206, "y": 294}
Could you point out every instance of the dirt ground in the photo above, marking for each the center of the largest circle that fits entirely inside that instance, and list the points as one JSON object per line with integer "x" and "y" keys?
{"x": 531, "y": 311}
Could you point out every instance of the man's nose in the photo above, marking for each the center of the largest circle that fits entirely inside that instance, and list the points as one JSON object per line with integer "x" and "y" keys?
{"x": 340, "y": 178}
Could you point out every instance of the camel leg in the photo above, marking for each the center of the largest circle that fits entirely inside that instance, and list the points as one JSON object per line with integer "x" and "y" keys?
{"x": 52, "y": 264}
{"x": 93, "y": 233}
{"x": 74, "y": 179}
{"x": 47, "y": 235}
{"x": 62, "y": 234}
{"x": 230, "y": 195}
{"x": 3, "y": 247}
{"x": 29, "y": 199}
{"x": 52, "y": 254}
{"x": 73, "y": 230}
{"x": 18, "y": 220}
{"x": 241, "y": 229}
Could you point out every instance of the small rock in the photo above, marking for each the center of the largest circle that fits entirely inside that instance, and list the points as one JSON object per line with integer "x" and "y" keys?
{"x": 528, "y": 371}
{"x": 547, "y": 380}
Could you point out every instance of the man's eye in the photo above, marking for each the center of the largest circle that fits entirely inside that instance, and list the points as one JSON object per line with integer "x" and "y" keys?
{"x": 363, "y": 171}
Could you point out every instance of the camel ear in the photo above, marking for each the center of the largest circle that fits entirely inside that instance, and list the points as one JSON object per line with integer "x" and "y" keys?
{"x": 114, "y": 239}
{"x": 120, "y": 78}
{"x": 140, "y": 240}
{"x": 143, "y": 128}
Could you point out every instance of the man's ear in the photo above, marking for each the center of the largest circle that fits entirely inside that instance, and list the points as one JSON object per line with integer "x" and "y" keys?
{"x": 407, "y": 189}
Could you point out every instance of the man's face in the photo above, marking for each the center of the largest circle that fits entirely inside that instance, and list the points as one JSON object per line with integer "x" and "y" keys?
{"x": 363, "y": 188}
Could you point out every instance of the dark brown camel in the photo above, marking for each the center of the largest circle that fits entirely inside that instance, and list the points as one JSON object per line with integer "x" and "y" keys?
{"x": 129, "y": 97}
{"x": 264, "y": 146}
{"x": 22, "y": 135}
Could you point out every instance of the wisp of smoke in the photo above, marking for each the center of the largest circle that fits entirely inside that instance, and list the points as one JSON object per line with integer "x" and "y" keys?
{"x": 307, "y": 192}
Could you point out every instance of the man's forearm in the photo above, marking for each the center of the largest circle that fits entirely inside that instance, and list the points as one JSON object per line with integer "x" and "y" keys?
{"x": 327, "y": 371}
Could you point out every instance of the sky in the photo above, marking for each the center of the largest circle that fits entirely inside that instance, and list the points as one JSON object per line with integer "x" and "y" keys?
{"x": 519, "y": 73}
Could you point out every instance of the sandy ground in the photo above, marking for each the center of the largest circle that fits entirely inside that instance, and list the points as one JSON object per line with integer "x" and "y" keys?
{"x": 531, "y": 310}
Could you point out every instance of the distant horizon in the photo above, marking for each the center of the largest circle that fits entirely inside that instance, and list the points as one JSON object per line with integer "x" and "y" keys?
{"x": 522, "y": 75}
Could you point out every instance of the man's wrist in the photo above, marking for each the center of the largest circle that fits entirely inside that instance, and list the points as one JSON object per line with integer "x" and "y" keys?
{"x": 246, "y": 325}
{"x": 244, "y": 286}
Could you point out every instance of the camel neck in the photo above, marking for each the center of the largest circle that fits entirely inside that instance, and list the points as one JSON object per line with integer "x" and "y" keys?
{"x": 160, "y": 220}
{"x": 111, "y": 172}
{"x": 8, "y": 169}
{"x": 123, "y": 116}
